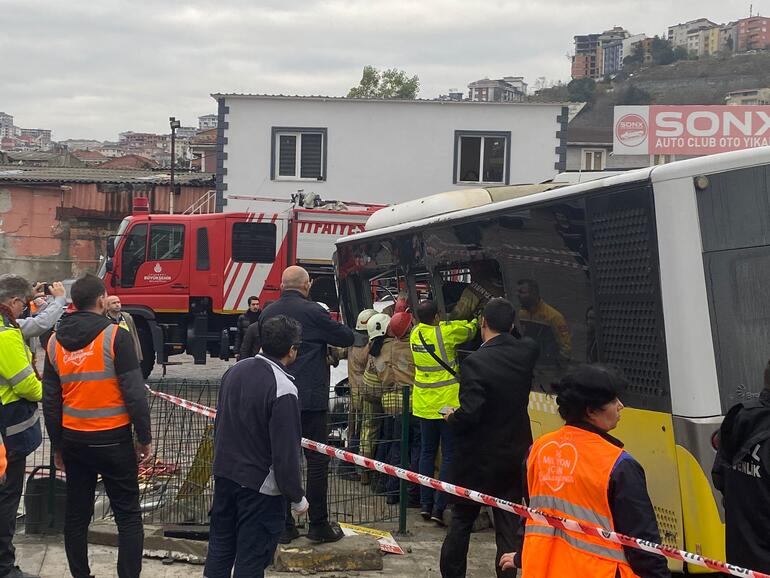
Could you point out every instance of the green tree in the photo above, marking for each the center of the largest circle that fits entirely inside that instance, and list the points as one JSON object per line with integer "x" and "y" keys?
{"x": 681, "y": 53}
{"x": 582, "y": 90}
{"x": 390, "y": 83}
{"x": 636, "y": 57}
{"x": 662, "y": 51}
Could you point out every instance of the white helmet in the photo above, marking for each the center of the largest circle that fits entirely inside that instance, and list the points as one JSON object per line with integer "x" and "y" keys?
{"x": 377, "y": 326}
{"x": 363, "y": 317}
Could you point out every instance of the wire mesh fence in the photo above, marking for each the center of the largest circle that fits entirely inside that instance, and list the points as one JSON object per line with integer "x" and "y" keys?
{"x": 177, "y": 486}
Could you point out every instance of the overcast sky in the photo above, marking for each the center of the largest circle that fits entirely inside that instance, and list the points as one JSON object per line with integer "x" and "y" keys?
{"x": 93, "y": 68}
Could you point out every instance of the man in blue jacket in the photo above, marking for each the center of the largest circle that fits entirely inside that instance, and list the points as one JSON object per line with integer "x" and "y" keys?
{"x": 311, "y": 376}
{"x": 257, "y": 456}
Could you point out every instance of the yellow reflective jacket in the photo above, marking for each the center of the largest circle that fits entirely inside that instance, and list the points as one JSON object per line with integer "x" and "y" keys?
{"x": 434, "y": 386}
{"x": 18, "y": 379}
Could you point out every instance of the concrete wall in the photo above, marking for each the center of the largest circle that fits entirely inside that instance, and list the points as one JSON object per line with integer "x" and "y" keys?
{"x": 613, "y": 162}
{"x": 50, "y": 234}
{"x": 382, "y": 152}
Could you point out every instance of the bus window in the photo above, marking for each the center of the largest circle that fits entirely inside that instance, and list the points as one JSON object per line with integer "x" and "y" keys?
{"x": 202, "y": 255}
{"x": 133, "y": 254}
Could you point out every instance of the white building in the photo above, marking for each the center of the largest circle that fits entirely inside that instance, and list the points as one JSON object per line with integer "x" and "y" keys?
{"x": 628, "y": 45}
{"x": 383, "y": 151}
{"x": 678, "y": 34}
{"x": 6, "y": 126}
{"x": 207, "y": 122}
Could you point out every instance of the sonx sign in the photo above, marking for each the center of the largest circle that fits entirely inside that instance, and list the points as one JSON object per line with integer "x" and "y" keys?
{"x": 689, "y": 130}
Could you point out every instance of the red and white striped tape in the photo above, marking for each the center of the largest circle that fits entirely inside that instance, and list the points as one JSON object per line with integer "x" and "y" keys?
{"x": 523, "y": 511}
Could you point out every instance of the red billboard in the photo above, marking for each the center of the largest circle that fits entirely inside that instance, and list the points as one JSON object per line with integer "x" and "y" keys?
{"x": 689, "y": 130}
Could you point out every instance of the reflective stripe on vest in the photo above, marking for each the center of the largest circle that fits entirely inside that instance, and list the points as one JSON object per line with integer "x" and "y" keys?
{"x": 568, "y": 475}
{"x": 22, "y": 426}
{"x": 92, "y": 400}
{"x": 437, "y": 368}
{"x": 18, "y": 378}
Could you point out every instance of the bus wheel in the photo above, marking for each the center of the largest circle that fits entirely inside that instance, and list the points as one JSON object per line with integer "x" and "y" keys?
{"x": 148, "y": 351}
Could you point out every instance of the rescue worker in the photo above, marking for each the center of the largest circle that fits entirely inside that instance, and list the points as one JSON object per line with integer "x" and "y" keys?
{"x": 116, "y": 314}
{"x": 581, "y": 472}
{"x": 486, "y": 283}
{"x": 93, "y": 395}
{"x": 398, "y": 371}
{"x": 436, "y": 389}
{"x": 357, "y": 356}
{"x": 373, "y": 444}
{"x": 742, "y": 473}
{"x": 20, "y": 390}
{"x": 544, "y": 324}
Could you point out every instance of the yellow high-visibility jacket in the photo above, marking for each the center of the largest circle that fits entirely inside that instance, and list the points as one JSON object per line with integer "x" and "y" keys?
{"x": 434, "y": 386}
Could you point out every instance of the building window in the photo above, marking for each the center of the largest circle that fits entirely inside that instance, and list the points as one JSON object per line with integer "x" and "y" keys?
{"x": 254, "y": 242}
{"x": 298, "y": 154}
{"x": 482, "y": 157}
{"x": 593, "y": 160}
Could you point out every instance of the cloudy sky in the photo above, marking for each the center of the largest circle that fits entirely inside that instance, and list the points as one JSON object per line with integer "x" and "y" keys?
{"x": 93, "y": 68}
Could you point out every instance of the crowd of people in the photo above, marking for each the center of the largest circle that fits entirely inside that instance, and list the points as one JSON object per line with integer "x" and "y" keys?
{"x": 470, "y": 378}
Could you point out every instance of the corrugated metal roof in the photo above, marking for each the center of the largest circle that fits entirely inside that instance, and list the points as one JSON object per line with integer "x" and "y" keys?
{"x": 96, "y": 175}
{"x": 319, "y": 97}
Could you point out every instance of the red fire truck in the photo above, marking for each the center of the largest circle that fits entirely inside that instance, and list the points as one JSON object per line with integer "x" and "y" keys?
{"x": 185, "y": 278}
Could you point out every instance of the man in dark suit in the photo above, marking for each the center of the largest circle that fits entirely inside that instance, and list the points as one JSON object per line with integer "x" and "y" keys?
{"x": 492, "y": 433}
{"x": 311, "y": 376}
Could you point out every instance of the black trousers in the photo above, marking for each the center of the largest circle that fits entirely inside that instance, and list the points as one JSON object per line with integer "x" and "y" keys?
{"x": 10, "y": 494}
{"x": 118, "y": 467}
{"x": 454, "y": 550}
{"x": 316, "y": 428}
{"x": 245, "y": 527}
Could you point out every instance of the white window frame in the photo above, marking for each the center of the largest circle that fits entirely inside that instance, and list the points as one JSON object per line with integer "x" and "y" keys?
{"x": 460, "y": 134}
{"x": 593, "y": 152}
{"x": 298, "y": 133}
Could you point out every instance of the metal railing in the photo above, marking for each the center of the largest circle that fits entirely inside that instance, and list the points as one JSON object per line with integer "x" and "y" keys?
{"x": 177, "y": 487}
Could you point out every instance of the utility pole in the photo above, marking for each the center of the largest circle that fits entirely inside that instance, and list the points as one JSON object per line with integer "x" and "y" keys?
{"x": 174, "y": 124}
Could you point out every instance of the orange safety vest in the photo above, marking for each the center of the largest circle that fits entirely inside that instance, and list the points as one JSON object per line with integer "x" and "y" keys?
{"x": 568, "y": 474}
{"x": 90, "y": 391}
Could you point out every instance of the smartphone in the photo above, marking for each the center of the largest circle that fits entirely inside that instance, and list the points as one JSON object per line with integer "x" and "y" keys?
{"x": 446, "y": 409}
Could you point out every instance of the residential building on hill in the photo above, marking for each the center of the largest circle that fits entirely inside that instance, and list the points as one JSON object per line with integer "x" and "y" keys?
{"x": 6, "y": 126}
{"x": 207, "y": 122}
{"x": 752, "y": 96}
{"x": 587, "y": 61}
{"x": 753, "y": 33}
{"x": 678, "y": 33}
{"x": 508, "y": 89}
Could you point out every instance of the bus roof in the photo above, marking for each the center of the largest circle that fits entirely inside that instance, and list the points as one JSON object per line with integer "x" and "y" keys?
{"x": 447, "y": 207}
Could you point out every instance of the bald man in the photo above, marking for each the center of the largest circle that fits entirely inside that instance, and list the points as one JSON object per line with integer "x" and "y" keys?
{"x": 311, "y": 376}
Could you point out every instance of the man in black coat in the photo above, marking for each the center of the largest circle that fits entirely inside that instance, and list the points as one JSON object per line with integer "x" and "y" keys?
{"x": 742, "y": 473}
{"x": 311, "y": 376}
{"x": 492, "y": 433}
{"x": 249, "y": 318}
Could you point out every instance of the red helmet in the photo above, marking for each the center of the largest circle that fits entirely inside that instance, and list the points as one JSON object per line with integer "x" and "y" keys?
{"x": 400, "y": 324}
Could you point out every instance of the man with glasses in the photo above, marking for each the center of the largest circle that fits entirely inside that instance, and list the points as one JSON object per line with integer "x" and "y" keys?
{"x": 20, "y": 390}
{"x": 257, "y": 456}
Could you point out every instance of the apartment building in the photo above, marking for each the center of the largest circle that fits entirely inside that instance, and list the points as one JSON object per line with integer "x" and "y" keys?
{"x": 679, "y": 34}
{"x": 753, "y": 33}
{"x": 508, "y": 89}
{"x": 748, "y": 97}
{"x": 588, "y": 59}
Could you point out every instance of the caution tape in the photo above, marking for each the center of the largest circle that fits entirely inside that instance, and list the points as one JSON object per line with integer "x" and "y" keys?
{"x": 518, "y": 509}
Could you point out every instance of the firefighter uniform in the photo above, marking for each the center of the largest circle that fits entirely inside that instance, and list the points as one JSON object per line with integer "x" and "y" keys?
{"x": 371, "y": 401}
{"x": 434, "y": 386}
{"x": 568, "y": 474}
{"x": 20, "y": 390}
{"x": 549, "y": 329}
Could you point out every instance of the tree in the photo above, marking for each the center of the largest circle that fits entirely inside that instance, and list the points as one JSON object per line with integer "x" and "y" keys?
{"x": 681, "y": 53}
{"x": 662, "y": 51}
{"x": 636, "y": 57}
{"x": 582, "y": 90}
{"x": 390, "y": 83}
